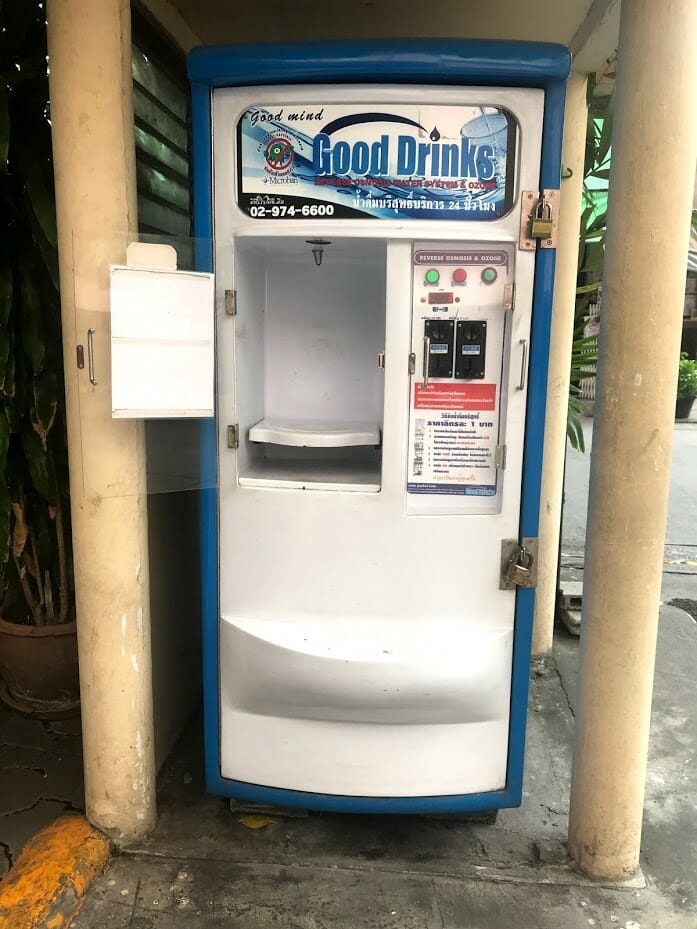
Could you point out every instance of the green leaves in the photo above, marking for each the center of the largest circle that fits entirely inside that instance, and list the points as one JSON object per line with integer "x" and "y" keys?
{"x": 33, "y": 465}
{"x": 5, "y": 514}
{"x": 6, "y": 284}
{"x": 31, "y": 328}
{"x": 591, "y": 245}
{"x": 594, "y": 256}
{"x": 687, "y": 377}
{"x": 605, "y": 134}
{"x": 4, "y": 440}
{"x": 4, "y": 129}
{"x": 40, "y": 465}
{"x": 45, "y": 389}
{"x": 574, "y": 426}
{"x": 6, "y": 294}
{"x": 4, "y": 489}
{"x": 42, "y": 202}
{"x": 5, "y": 345}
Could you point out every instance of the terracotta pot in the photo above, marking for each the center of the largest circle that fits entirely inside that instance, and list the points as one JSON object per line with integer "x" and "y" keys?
{"x": 683, "y": 405}
{"x": 39, "y": 667}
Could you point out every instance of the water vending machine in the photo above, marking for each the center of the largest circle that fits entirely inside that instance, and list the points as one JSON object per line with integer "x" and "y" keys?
{"x": 380, "y": 218}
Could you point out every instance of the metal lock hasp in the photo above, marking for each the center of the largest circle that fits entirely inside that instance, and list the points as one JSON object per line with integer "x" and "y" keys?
{"x": 542, "y": 222}
{"x": 518, "y": 568}
{"x": 518, "y": 564}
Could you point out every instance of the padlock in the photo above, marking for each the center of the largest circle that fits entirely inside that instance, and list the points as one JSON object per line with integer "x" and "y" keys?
{"x": 518, "y": 569}
{"x": 542, "y": 220}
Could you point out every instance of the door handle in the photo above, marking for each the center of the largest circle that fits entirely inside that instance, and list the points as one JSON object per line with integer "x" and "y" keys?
{"x": 523, "y": 364}
{"x": 90, "y": 356}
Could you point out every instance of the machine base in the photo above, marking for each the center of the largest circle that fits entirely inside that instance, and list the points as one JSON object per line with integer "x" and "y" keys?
{"x": 481, "y": 807}
{"x": 487, "y": 817}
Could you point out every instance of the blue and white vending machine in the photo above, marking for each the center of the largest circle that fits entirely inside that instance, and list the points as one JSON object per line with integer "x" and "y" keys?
{"x": 381, "y": 219}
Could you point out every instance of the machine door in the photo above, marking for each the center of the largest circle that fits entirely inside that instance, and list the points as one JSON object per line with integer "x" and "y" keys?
{"x": 375, "y": 374}
{"x": 461, "y": 322}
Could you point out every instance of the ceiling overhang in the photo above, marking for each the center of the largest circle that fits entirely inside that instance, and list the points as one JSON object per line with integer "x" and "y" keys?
{"x": 588, "y": 27}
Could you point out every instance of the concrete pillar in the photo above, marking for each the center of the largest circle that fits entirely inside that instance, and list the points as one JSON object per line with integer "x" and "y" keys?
{"x": 94, "y": 162}
{"x": 575, "y": 118}
{"x": 654, "y": 146}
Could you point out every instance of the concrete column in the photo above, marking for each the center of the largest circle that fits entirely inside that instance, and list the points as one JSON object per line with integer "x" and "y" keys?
{"x": 575, "y": 118}
{"x": 654, "y": 146}
{"x": 94, "y": 162}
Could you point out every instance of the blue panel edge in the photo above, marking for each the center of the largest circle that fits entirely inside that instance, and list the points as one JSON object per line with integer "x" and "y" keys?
{"x": 543, "y": 290}
{"x": 203, "y": 250}
{"x": 438, "y": 61}
{"x": 500, "y": 63}
{"x": 298, "y": 799}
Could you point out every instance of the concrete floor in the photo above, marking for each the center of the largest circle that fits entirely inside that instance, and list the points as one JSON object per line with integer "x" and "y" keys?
{"x": 203, "y": 867}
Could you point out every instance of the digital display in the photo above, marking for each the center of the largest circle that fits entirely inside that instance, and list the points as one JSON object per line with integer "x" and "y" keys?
{"x": 440, "y": 298}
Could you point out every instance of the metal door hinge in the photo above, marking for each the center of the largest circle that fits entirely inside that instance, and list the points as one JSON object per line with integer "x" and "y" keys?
{"x": 381, "y": 361}
{"x": 500, "y": 457}
{"x": 231, "y": 303}
{"x": 532, "y": 207}
{"x": 233, "y": 436}
{"x": 509, "y": 296}
{"x": 518, "y": 563}
{"x": 412, "y": 363}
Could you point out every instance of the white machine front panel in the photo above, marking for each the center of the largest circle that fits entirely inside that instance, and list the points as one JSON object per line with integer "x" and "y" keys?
{"x": 365, "y": 646}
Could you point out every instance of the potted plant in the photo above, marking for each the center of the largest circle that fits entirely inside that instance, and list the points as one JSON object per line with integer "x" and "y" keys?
{"x": 687, "y": 386}
{"x": 38, "y": 645}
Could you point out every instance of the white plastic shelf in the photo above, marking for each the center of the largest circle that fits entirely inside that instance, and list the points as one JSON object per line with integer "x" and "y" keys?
{"x": 305, "y": 433}
{"x": 302, "y": 475}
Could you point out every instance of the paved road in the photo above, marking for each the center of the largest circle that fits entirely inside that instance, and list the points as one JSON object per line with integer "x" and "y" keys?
{"x": 680, "y": 578}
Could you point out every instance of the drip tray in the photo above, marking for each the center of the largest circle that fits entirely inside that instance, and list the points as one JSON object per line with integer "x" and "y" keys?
{"x": 306, "y": 433}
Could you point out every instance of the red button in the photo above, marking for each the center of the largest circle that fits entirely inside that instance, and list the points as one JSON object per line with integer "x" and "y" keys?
{"x": 459, "y": 276}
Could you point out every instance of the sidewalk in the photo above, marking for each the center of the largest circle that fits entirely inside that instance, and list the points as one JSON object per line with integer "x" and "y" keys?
{"x": 680, "y": 558}
{"x": 204, "y": 868}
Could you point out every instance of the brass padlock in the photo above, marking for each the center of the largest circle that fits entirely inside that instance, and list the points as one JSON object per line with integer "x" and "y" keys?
{"x": 542, "y": 220}
{"x": 518, "y": 569}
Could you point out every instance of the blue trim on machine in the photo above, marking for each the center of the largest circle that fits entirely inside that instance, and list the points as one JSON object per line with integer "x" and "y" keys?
{"x": 203, "y": 249}
{"x": 543, "y": 288}
{"x": 439, "y": 62}
{"x": 335, "y": 803}
{"x": 414, "y": 61}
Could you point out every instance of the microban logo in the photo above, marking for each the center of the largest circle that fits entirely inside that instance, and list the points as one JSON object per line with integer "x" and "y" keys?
{"x": 278, "y": 155}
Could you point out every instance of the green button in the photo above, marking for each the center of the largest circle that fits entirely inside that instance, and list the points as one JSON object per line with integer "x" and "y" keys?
{"x": 432, "y": 276}
{"x": 489, "y": 275}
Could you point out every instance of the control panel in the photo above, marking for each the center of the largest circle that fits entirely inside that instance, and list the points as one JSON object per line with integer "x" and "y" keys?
{"x": 460, "y": 326}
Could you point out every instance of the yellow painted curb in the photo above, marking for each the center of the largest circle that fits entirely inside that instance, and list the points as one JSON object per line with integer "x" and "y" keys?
{"x": 54, "y": 869}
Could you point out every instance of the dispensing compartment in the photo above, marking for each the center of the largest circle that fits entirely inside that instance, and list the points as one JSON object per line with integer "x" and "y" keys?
{"x": 309, "y": 391}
